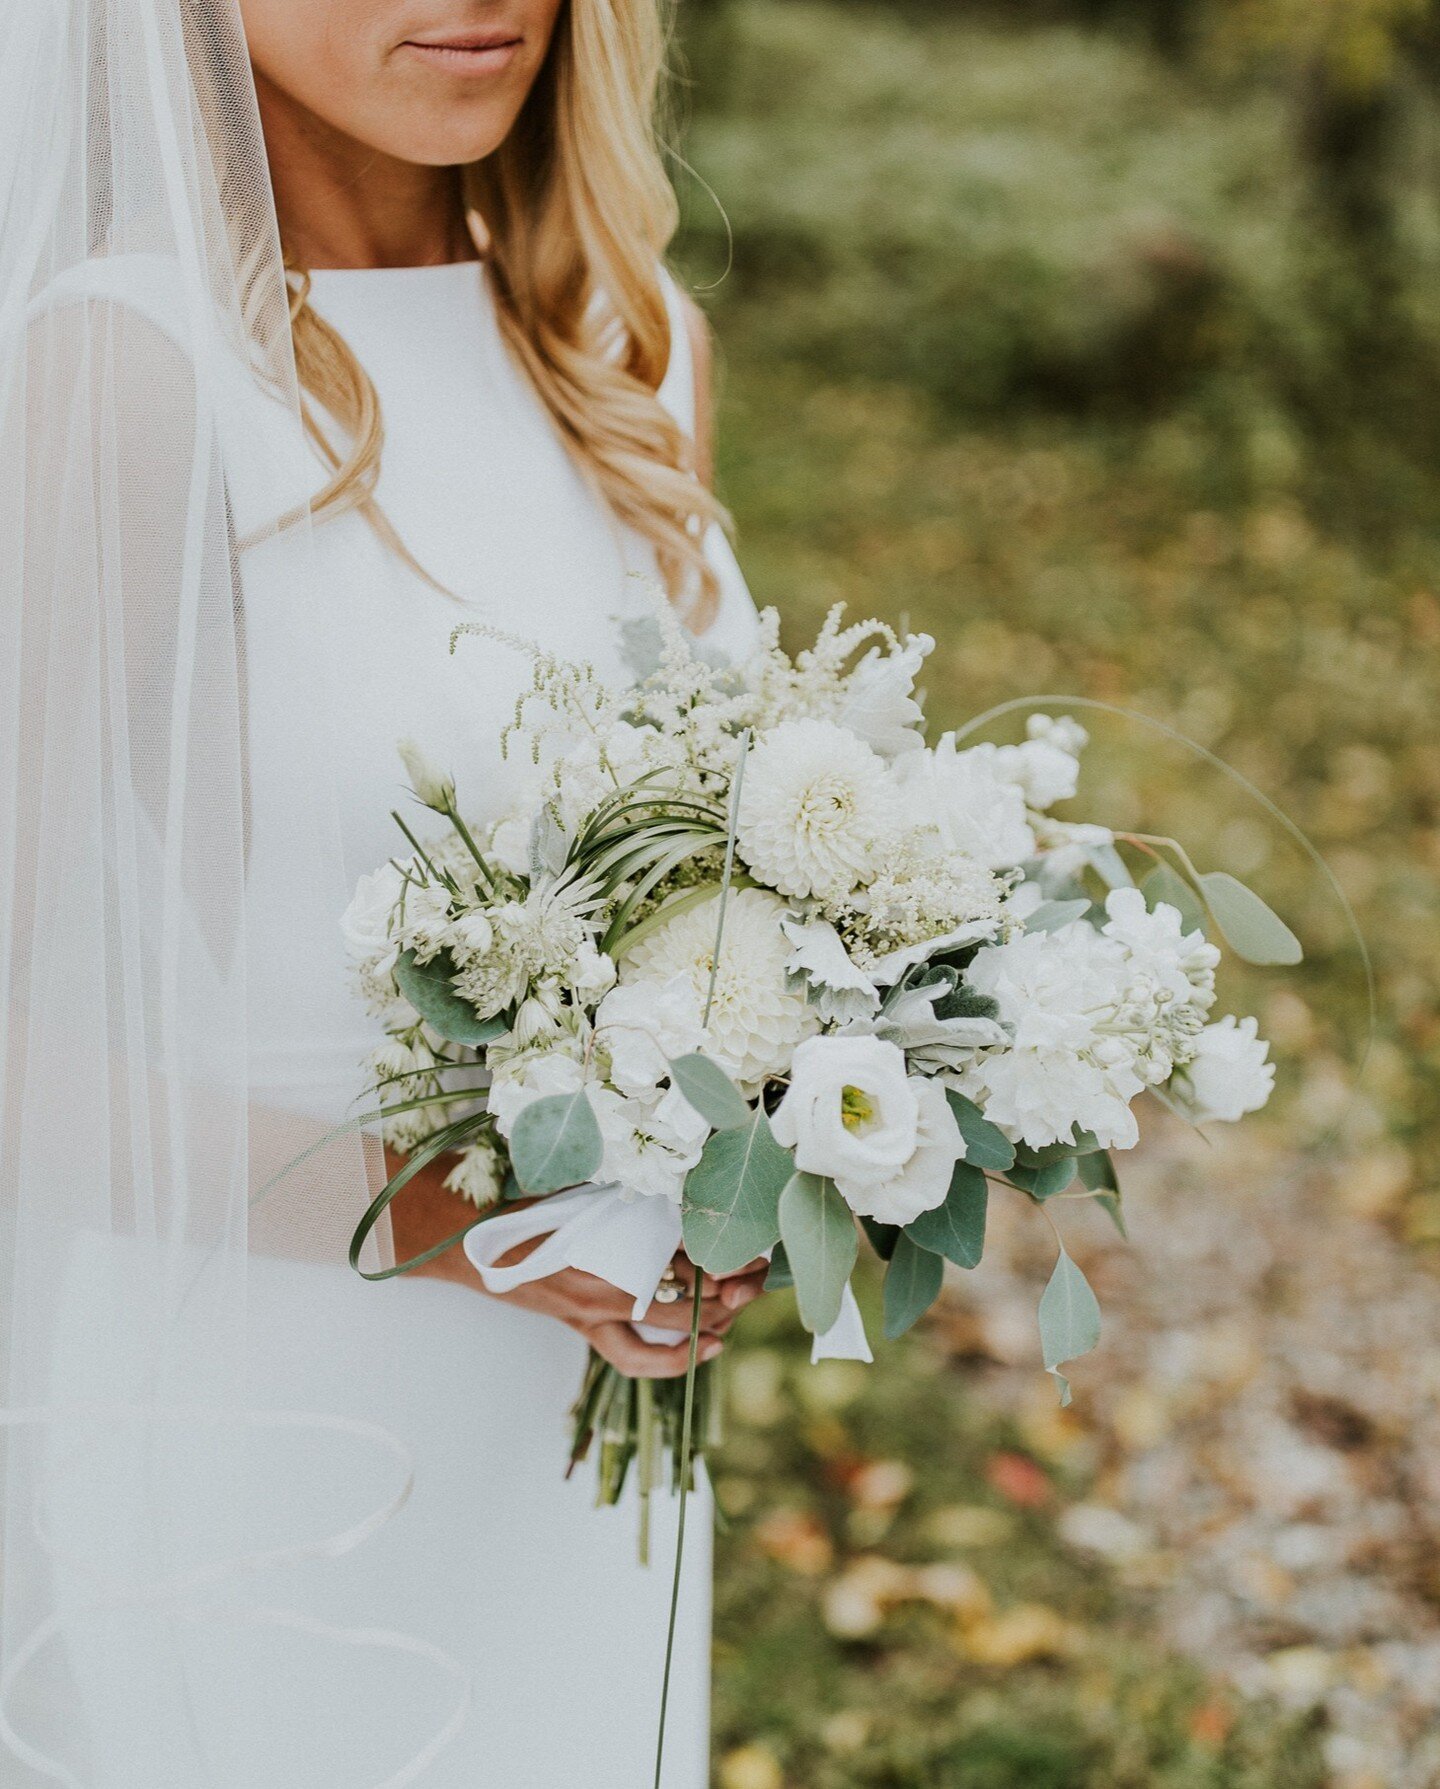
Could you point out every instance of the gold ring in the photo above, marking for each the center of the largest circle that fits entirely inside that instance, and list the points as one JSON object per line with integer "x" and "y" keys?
{"x": 670, "y": 1289}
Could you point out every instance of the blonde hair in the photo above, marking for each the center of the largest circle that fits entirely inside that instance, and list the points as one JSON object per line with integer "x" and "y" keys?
{"x": 573, "y": 213}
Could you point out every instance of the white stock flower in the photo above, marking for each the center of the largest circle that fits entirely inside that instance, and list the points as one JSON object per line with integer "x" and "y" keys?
{"x": 887, "y": 1139}
{"x": 1159, "y": 946}
{"x": 1047, "y": 765}
{"x": 978, "y": 813}
{"x": 651, "y": 1143}
{"x": 524, "y": 1079}
{"x": 1067, "y": 1066}
{"x": 756, "y": 1019}
{"x": 813, "y": 809}
{"x": 1229, "y": 1075}
{"x": 643, "y": 1024}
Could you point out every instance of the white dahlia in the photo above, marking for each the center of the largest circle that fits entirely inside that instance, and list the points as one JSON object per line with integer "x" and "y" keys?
{"x": 756, "y": 1021}
{"x": 813, "y": 809}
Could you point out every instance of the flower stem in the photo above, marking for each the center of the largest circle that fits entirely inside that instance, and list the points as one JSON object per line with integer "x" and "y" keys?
{"x": 685, "y": 1441}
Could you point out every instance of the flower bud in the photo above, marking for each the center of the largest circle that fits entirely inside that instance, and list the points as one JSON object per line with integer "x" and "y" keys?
{"x": 430, "y": 785}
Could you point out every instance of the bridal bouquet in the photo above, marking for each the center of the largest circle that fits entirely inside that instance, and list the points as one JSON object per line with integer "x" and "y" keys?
{"x": 749, "y": 967}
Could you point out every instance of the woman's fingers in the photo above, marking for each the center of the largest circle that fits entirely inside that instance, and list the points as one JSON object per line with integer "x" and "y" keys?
{"x": 619, "y": 1344}
{"x": 715, "y": 1317}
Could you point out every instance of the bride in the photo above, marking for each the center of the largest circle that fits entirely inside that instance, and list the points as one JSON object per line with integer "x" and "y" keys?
{"x": 326, "y": 327}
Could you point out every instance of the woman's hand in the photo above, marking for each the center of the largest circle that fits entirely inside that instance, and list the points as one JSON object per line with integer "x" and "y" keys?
{"x": 427, "y": 1210}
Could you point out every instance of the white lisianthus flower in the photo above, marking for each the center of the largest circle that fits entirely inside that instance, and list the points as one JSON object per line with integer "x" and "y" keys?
{"x": 651, "y": 1143}
{"x": 1069, "y": 1064}
{"x": 813, "y": 809}
{"x": 978, "y": 813}
{"x": 1229, "y": 1075}
{"x": 1047, "y": 765}
{"x": 757, "y": 1017}
{"x": 431, "y": 786}
{"x": 643, "y": 1025}
{"x": 369, "y": 924}
{"x": 887, "y": 1139}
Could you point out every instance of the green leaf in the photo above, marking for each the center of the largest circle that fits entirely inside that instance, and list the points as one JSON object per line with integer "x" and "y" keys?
{"x": 956, "y": 1229}
{"x": 1069, "y": 1320}
{"x": 779, "y": 1276}
{"x": 1165, "y": 884}
{"x": 429, "y": 989}
{"x": 732, "y": 1196}
{"x": 883, "y": 1237}
{"x": 711, "y": 1091}
{"x": 986, "y": 1145}
{"x": 556, "y": 1143}
{"x": 1097, "y": 1172}
{"x": 821, "y": 1243}
{"x": 1046, "y": 1181}
{"x": 912, "y": 1284}
{"x": 1049, "y": 916}
{"x": 1251, "y": 929}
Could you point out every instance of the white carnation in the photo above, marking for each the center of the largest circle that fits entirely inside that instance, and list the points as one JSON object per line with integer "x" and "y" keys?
{"x": 813, "y": 809}
{"x": 756, "y": 1019}
{"x": 978, "y": 813}
{"x": 1229, "y": 1075}
{"x": 887, "y": 1139}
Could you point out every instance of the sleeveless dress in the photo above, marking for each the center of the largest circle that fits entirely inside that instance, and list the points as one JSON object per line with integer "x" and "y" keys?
{"x": 496, "y": 1559}
{"x": 497, "y": 1562}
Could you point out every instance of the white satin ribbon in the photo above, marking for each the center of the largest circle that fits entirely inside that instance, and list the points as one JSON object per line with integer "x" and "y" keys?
{"x": 627, "y": 1240}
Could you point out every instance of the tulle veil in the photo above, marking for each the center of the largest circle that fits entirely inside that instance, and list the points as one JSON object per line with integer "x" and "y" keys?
{"x": 160, "y": 1500}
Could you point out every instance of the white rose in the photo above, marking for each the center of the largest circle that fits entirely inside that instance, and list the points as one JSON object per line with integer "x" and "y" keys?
{"x": 368, "y": 923}
{"x": 1228, "y": 1074}
{"x": 887, "y": 1139}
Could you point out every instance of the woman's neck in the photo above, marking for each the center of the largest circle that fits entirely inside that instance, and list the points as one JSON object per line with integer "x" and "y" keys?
{"x": 341, "y": 204}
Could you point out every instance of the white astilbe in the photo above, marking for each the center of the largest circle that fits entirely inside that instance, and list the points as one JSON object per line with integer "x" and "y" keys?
{"x": 814, "y": 809}
{"x": 757, "y": 1018}
{"x": 919, "y": 893}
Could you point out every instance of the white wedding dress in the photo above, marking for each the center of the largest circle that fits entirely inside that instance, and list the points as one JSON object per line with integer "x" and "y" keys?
{"x": 496, "y": 1561}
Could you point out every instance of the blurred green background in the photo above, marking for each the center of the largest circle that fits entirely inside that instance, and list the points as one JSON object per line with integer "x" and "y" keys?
{"x": 1101, "y": 340}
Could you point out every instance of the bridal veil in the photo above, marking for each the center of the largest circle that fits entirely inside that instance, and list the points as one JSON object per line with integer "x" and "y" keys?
{"x": 159, "y": 1498}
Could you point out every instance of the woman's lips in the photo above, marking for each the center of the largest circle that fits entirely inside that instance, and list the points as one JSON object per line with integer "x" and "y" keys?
{"x": 465, "y": 55}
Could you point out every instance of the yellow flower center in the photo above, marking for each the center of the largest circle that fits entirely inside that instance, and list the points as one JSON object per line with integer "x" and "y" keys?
{"x": 856, "y": 1108}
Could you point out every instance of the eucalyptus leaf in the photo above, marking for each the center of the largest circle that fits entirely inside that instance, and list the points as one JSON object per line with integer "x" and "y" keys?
{"x": 956, "y": 1229}
{"x": 1049, "y": 916}
{"x": 429, "y": 987}
{"x": 711, "y": 1092}
{"x": 883, "y": 1237}
{"x": 555, "y": 1142}
{"x": 1069, "y": 1320}
{"x": 732, "y": 1196}
{"x": 912, "y": 1284}
{"x": 1097, "y": 1172}
{"x": 986, "y": 1145}
{"x": 1045, "y": 1182}
{"x": 779, "y": 1276}
{"x": 1251, "y": 929}
{"x": 1168, "y": 885}
{"x": 821, "y": 1243}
